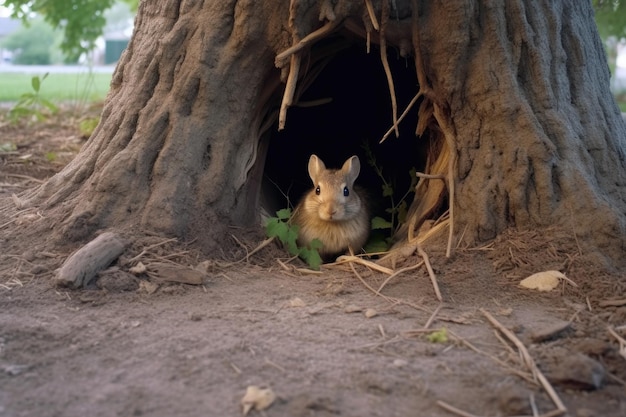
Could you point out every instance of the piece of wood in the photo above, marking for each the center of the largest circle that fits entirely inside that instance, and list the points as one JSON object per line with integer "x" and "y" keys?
{"x": 83, "y": 265}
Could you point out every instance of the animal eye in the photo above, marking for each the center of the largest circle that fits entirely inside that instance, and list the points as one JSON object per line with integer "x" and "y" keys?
{"x": 317, "y": 190}
{"x": 346, "y": 192}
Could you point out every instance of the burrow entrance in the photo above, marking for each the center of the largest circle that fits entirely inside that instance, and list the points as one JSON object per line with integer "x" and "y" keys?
{"x": 345, "y": 111}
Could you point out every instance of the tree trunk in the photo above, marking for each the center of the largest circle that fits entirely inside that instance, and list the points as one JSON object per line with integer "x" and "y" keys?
{"x": 518, "y": 90}
{"x": 539, "y": 138}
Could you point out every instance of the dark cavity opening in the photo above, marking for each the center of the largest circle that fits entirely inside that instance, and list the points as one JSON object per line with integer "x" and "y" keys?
{"x": 351, "y": 123}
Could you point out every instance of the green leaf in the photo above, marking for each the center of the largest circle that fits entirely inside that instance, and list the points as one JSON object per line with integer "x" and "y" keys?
{"x": 275, "y": 228}
{"x": 284, "y": 214}
{"x": 50, "y": 105}
{"x": 36, "y": 83}
{"x": 387, "y": 190}
{"x": 380, "y": 223}
{"x": 311, "y": 257}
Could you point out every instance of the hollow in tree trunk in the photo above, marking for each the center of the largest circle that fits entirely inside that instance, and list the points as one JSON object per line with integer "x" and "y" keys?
{"x": 515, "y": 94}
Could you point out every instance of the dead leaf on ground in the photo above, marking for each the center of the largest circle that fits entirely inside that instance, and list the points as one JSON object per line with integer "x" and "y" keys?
{"x": 544, "y": 281}
{"x": 257, "y": 398}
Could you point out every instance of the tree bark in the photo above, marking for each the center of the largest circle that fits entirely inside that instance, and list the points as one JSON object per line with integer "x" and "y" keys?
{"x": 536, "y": 136}
{"x": 539, "y": 138}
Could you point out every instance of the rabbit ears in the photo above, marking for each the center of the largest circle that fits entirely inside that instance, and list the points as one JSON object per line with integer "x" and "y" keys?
{"x": 350, "y": 169}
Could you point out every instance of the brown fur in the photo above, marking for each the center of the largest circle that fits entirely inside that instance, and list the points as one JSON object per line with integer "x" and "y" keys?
{"x": 339, "y": 222}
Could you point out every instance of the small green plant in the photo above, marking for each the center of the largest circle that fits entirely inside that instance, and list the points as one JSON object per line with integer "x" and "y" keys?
{"x": 287, "y": 233}
{"x": 379, "y": 242}
{"x": 438, "y": 336}
{"x": 32, "y": 104}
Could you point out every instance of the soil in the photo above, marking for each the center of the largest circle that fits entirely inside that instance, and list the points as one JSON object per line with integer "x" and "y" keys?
{"x": 145, "y": 343}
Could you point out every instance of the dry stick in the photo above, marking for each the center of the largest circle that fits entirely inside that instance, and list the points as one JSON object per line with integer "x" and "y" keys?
{"x": 430, "y": 176}
{"x": 432, "y": 317}
{"x": 290, "y": 89}
{"x": 431, "y": 273}
{"x": 372, "y": 13}
{"x": 369, "y": 287}
{"x": 149, "y": 248}
{"x": 621, "y": 340}
{"x": 355, "y": 259}
{"x": 527, "y": 378}
{"x": 253, "y": 251}
{"x": 454, "y": 410}
{"x": 529, "y": 361}
{"x": 402, "y": 116}
{"x": 383, "y": 58}
{"x": 311, "y": 38}
{"x": 398, "y": 272}
{"x": 448, "y": 134}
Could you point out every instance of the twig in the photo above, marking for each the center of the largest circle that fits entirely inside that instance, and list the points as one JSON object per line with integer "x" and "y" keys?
{"x": 533, "y": 405}
{"x": 372, "y": 14}
{"x": 146, "y": 250}
{"x": 290, "y": 89}
{"x": 369, "y": 287}
{"x": 355, "y": 259}
{"x": 431, "y": 273}
{"x": 398, "y": 272}
{"x": 500, "y": 362}
{"x": 402, "y": 116}
{"x": 454, "y": 410}
{"x": 432, "y": 317}
{"x": 311, "y": 38}
{"x": 430, "y": 176}
{"x": 253, "y": 251}
{"x": 529, "y": 362}
{"x": 383, "y": 57}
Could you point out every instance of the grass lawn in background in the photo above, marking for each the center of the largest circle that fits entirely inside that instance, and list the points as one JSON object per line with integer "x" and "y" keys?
{"x": 56, "y": 87}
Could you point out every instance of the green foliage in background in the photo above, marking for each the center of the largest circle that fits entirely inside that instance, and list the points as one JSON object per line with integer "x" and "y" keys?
{"x": 31, "y": 45}
{"x": 287, "y": 233}
{"x": 382, "y": 229}
{"x": 610, "y": 18}
{"x": 82, "y": 21}
{"x": 31, "y": 104}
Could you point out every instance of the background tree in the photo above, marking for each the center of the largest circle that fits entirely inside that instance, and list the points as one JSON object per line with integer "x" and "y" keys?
{"x": 32, "y": 45}
{"x": 82, "y": 21}
{"x": 514, "y": 110}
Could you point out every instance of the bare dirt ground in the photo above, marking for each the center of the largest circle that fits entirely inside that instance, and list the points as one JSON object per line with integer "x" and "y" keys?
{"x": 325, "y": 344}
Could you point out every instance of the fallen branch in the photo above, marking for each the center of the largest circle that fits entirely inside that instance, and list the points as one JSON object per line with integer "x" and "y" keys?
{"x": 83, "y": 265}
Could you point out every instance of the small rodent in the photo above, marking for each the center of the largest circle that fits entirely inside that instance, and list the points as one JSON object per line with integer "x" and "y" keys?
{"x": 333, "y": 211}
